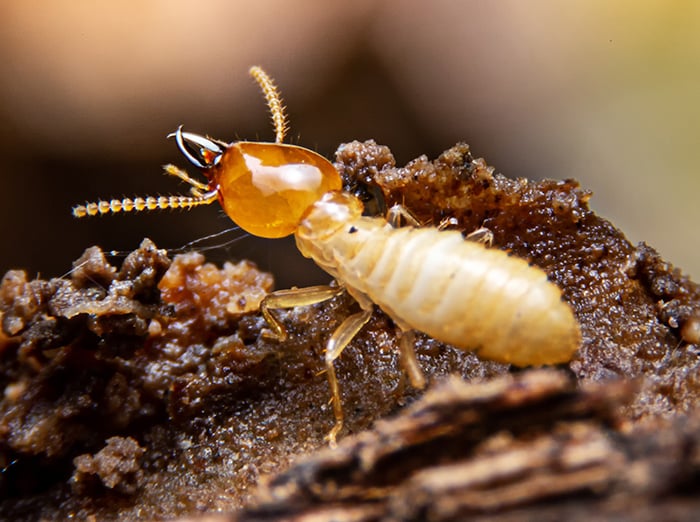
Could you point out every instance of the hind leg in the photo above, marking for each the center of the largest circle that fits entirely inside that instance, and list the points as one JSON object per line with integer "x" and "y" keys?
{"x": 342, "y": 336}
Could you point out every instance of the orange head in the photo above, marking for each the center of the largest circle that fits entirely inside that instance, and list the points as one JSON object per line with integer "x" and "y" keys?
{"x": 265, "y": 188}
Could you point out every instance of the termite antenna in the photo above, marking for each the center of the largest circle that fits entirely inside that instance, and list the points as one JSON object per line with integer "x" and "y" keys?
{"x": 274, "y": 102}
{"x": 139, "y": 204}
{"x": 201, "y": 195}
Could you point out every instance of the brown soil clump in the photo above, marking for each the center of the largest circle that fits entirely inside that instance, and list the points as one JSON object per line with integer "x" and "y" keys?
{"x": 149, "y": 391}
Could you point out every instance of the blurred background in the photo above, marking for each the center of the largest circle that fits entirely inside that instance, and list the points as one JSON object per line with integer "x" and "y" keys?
{"x": 605, "y": 92}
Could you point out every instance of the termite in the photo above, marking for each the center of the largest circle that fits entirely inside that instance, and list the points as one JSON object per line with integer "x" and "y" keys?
{"x": 425, "y": 279}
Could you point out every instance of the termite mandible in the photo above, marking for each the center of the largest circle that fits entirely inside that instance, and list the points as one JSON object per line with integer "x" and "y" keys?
{"x": 425, "y": 278}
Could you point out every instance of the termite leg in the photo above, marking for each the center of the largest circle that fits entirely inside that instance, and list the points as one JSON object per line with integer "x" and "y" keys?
{"x": 481, "y": 235}
{"x": 409, "y": 360}
{"x": 448, "y": 223}
{"x": 172, "y": 170}
{"x": 398, "y": 212}
{"x": 291, "y": 299}
{"x": 336, "y": 344}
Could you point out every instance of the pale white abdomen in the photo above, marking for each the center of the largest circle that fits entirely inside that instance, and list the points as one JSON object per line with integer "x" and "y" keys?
{"x": 457, "y": 291}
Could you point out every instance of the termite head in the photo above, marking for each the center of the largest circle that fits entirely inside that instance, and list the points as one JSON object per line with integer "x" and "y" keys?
{"x": 265, "y": 188}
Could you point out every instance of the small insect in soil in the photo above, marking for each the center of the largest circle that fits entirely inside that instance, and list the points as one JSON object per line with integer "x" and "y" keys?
{"x": 425, "y": 278}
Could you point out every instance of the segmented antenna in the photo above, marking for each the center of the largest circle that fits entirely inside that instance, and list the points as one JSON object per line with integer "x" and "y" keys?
{"x": 274, "y": 102}
{"x": 201, "y": 196}
{"x": 138, "y": 204}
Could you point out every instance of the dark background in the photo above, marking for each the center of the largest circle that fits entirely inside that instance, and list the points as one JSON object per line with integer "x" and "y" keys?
{"x": 603, "y": 92}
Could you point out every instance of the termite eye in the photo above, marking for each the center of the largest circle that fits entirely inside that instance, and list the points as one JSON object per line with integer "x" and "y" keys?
{"x": 202, "y": 152}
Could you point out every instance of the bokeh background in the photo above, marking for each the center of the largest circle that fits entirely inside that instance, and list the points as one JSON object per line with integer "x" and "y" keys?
{"x": 605, "y": 92}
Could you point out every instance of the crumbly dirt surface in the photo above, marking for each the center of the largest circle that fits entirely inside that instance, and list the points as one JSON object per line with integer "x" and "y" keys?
{"x": 639, "y": 315}
{"x": 148, "y": 390}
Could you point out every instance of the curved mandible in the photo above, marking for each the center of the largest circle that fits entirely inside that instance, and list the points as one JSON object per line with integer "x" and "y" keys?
{"x": 200, "y": 151}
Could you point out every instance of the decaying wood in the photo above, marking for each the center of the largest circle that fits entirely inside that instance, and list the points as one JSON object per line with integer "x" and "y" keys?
{"x": 516, "y": 446}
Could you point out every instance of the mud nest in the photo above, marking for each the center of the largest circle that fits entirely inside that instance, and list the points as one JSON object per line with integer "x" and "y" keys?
{"x": 148, "y": 391}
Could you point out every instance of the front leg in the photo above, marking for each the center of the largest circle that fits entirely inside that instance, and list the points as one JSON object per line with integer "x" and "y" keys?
{"x": 282, "y": 299}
